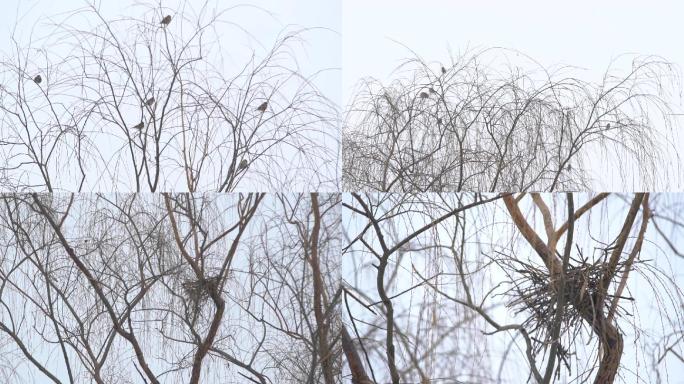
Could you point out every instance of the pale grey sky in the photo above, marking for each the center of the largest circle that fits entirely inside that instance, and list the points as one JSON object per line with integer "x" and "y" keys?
{"x": 582, "y": 33}
{"x": 322, "y": 48}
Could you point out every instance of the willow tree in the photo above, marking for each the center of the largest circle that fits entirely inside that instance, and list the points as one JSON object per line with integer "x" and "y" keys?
{"x": 133, "y": 104}
{"x": 169, "y": 288}
{"x": 503, "y": 288}
{"x": 491, "y": 121}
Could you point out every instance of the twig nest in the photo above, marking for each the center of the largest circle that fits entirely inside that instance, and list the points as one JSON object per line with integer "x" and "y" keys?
{"x": 199, "y": 289}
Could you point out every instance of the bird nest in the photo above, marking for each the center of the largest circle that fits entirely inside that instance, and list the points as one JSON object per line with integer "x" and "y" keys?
{"x": 535, "y": 293}
{"x": 198, "y": 289}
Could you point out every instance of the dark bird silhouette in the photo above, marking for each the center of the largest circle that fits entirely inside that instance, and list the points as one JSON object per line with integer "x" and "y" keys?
{"x": 150, "y": 101}
{"x": 608, "y": 126}
{"x": 37, "y": 79}
{"x": 166, "y": 20}
{"x": 262, "y": 107}
{"x": 443, "y": 70}
{"x": 424, "y": 95}
{"x": 140, "y": 125}
{"x": 569, "y": 167}
{"x": 243, "y": 164}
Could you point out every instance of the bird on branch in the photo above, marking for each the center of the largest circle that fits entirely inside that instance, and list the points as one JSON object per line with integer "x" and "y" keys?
{"x": 262, "y": 108}
{"x": 166, "y": 20}
{"x": 37, "y": 79}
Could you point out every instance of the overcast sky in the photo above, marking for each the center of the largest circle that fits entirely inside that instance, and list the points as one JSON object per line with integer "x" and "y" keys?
{"x": 322, "y": 47}
{"x": 582, "y": 33}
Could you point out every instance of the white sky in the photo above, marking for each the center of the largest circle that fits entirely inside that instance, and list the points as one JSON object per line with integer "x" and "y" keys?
{"x": 582, "y": 33}
{"x": 322, "y": 48}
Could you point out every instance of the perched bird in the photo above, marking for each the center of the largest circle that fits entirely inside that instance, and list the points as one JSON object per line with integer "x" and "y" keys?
{"x": 608, "y": 126}
{"x": 262, "y": 107}
{"x": 569, "y": 167}
{"x": 443, "y": 70}
{"x": 37, "y": 79}
{"x": 140, "y": 125}
{"x": 150, "y": 101}
{"x": 243, "y": 164}
{"x": 166, "y": 20}
{"x": 424, "y": 95}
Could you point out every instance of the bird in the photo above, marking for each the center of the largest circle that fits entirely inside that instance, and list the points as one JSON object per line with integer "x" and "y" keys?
{"x": 243, "y": 164}
{"x": 262, "y": 107}
{"x": 424, "y": 95}
{"x": 569, "y": 167}
{"x": 140, "y": 125}
{"x": 166, "y": 20}
{"x": 443, "y": 70}
{"x": 150, "y": 101}
{"x": 608, "y": 126}
{"x": 37, "y": 79}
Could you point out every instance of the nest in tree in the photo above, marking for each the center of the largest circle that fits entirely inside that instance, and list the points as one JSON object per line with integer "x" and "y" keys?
{"x": 198, "y": 290}
{"x": 535, "y": 292}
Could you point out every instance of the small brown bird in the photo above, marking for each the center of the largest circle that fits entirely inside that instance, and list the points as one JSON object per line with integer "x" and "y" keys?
{"x": 243, "y": 164}
{"x": 424, "y": 95}
{"x": 262, "y": 107}
{"x": 608, "y": 126}
{"x": 166, "y": 20}
{"x": 443, "y": 70}
{"x": 37, "y": 79}
{"x": 140, "y": 125}
{"x": 150, "y": 101}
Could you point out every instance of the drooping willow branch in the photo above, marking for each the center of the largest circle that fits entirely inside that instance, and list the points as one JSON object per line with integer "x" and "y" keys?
{"x": 480, "y": 125}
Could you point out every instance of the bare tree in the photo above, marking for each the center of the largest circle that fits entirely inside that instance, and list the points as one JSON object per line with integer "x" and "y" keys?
{"x": 181, "y": 288}
{"x": 130, "y": 104}
{"x": 466, "y": 290}
{"x": 487, "y": 122}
